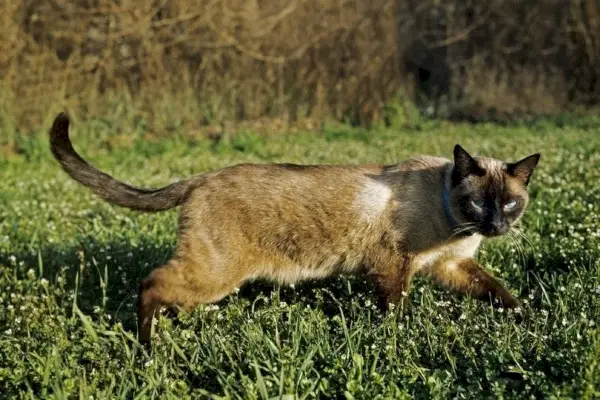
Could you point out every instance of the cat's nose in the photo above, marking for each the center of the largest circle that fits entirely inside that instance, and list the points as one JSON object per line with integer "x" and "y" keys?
{"x": 499, "y": 227}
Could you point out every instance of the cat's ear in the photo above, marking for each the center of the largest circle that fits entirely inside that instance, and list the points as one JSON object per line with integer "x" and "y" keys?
{"x": 464, "y": 165}
{"x": 523, "y": 169}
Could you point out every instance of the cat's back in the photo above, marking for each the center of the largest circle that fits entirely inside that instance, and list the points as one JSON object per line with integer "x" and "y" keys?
{"x": 297, "y": 185}
{"x": 275, "y": 195}
{"x": 419, "y": 163}
{"x": 281, "y": 180}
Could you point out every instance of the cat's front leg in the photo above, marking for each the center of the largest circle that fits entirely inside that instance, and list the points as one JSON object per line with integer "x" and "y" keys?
{"x": 392, "y": 281}
{"x": 467, "y": 276}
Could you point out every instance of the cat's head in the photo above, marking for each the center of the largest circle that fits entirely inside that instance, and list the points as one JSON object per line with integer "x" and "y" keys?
{"x": 487, "y": 195}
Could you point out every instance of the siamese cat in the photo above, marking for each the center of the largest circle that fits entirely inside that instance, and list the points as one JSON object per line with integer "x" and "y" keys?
{"x": 287, "y": 222}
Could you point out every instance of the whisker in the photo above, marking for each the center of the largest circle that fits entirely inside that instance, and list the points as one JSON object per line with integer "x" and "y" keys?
{"x": 465, "y": 227}
{"x": 524, "y": 236}
{"x": 519, "y": 246}
{"x": 518, "y": 235}
{"x": 514, "y": 243}
{"x": 527, "y": 239}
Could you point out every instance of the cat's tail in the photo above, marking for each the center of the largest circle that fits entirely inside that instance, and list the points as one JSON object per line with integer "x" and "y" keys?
{"x": 107, "y": 187}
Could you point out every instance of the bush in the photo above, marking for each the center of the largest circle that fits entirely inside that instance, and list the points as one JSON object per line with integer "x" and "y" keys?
{"x": 232, "y": 60}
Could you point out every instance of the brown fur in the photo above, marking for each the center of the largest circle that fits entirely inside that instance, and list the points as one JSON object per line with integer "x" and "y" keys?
{"x": 289, "y": 222}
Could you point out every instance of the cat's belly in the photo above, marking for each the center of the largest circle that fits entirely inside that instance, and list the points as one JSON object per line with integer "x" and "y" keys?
{"x": 316, "y": 267}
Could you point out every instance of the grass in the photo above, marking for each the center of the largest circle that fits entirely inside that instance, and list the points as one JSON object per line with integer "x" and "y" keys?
{"x": 70, "y": 266}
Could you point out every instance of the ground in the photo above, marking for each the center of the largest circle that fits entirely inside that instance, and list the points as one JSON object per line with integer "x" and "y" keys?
{"x": 70, "y": 266}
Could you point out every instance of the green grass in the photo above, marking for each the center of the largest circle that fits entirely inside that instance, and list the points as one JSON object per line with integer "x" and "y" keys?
{"x": 70, "y": 266}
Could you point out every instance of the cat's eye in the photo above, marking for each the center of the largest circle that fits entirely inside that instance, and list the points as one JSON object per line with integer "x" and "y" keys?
{"x": 478, "y": 203}
{"x": 509, "y": 205}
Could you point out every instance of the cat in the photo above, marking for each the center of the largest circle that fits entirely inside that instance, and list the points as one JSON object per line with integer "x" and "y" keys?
{"x": 287, "y": 222}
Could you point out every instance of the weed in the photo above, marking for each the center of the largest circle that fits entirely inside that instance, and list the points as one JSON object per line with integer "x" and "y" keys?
{"x": 70, "y": 266}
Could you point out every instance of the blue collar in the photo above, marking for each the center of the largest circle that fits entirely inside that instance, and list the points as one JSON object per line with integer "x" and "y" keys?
{"x": 446, "y": 200}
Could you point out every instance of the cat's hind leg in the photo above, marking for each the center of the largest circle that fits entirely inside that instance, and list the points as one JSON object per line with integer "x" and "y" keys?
{"x": 183, "y": 284}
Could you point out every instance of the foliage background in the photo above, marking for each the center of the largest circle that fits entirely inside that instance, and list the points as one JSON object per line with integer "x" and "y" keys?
{"x": 232, "y": 60}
